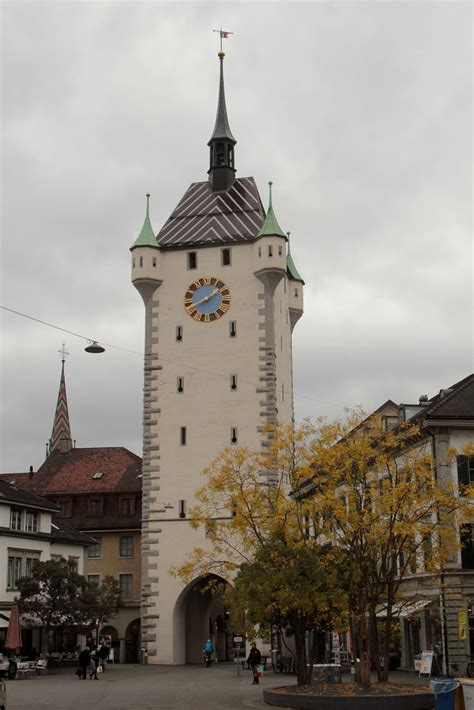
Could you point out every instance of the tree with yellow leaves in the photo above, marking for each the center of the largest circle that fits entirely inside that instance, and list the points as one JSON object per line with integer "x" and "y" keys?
{"x": 364, "y": 503}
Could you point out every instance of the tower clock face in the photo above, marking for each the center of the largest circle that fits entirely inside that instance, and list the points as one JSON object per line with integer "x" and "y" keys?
{"x": 207, "y": 299}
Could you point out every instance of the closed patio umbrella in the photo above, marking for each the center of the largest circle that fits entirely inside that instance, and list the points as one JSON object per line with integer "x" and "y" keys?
{"x": 13, "y": 640}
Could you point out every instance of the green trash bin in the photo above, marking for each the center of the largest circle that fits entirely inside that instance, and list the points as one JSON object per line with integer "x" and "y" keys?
{"x": 444, "y": 690}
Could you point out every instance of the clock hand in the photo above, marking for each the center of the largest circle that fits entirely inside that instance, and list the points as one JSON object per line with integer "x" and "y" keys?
{"x": 206, "y": 298}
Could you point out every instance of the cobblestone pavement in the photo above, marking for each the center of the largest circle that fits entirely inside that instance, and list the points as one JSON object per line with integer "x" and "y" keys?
{"x": 149, "y": 688}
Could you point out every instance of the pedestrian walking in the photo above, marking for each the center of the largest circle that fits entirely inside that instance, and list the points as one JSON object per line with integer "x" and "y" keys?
{"x": 95, "y": 663}
{"x": 103, "y": 654}
{"x": 84, "y": 660}
{"x": 253, "y": 661}
{"x": 207, "y": 651}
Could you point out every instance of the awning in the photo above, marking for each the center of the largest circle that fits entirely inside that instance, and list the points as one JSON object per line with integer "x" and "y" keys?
{"x": 404, "y": 609}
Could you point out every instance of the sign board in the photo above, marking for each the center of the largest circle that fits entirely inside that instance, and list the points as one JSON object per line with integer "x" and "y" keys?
{"x": 462, "y": 624}
{"x": 238, "y": 639}
{"x": 426, "y": 662}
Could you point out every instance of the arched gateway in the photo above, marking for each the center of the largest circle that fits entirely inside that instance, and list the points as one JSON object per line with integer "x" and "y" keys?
{"x": 200, "y": 614}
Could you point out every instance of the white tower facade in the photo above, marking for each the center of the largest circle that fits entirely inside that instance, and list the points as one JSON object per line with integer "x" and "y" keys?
{"x": 222, "y": 296}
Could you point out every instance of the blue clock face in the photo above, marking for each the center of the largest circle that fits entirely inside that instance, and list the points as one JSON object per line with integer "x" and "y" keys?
{"x": 207, "y": 299}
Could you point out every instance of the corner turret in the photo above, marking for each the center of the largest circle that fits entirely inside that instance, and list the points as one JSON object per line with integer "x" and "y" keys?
{"x": 295, "y": 283}
{"x": 270, "y": 248}
{"x": 146, "y": 266}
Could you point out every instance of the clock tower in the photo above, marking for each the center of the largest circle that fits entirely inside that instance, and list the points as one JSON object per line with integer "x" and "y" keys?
{"x": 222, "y": 296}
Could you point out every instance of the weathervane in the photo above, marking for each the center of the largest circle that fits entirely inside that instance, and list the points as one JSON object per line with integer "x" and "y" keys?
{"x": 223, "y": 35}
{"x": 63, "y": 352}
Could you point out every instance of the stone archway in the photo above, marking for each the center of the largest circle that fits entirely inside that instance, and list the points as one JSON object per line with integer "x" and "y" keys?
{"x": 133, "y": 642}
{"x": 200, "y": 614}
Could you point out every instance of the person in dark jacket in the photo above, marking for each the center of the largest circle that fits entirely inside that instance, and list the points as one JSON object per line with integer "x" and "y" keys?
{"x": 253, "y": 661}
{"x": 95, "y": 663}
{"x": 103, "y": 654}
{"x": 84, "y": 660}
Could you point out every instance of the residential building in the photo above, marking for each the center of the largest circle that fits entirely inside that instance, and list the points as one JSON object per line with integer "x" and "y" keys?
{"x": 30, "y": 533}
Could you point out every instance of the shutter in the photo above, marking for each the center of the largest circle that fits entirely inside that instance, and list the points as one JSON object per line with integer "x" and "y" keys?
{"x": 463, "y": 470}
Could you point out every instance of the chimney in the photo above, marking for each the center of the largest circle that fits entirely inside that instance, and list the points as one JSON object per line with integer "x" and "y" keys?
{"x": 65, "y": 445}
{"x": 31, "y": 471}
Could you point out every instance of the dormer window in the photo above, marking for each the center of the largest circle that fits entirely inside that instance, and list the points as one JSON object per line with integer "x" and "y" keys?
{"x": 98, "y": 474}
{"x": 31, "y": 521}
{"x": 127, "y": 505}
{"x": 95, "y": 507}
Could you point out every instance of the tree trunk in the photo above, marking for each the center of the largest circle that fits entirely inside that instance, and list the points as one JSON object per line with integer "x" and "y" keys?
{"x": 362, "y": 665}
{"x": 303, "y": 671}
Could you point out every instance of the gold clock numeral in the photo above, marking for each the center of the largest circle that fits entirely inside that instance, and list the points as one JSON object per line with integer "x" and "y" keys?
{"x": 207, "y": 280}
{"x": 197, "y": 283}
{"x": 197, "y": 316}
{"x": 207, "y": 318}
{"x": 225, "y": 299}
{"x": 188, "y": 301}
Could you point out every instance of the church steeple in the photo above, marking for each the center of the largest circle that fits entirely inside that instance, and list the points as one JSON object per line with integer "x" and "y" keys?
{"x": 61, "y": 435}
{"x": 221, "y": 170}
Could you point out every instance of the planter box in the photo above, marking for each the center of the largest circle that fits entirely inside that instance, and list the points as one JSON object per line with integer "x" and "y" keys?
{"x": 407, "y": 701}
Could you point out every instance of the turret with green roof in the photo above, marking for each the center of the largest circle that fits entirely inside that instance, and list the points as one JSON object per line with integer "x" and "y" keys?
{"x": 290, "y": 265}
{"x": 270, "y": 227}
{"x": 146, "y": 238}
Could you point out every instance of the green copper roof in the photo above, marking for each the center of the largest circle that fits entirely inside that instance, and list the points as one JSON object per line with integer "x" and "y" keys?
{"x": 290, "y": 265}
{"x": 146, "y": 238}
{"x": 271, "y": 227}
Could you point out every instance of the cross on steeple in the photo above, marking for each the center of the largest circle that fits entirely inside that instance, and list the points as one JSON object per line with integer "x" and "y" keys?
{"x": 222, "y": 170}
{"x": 63, "y": 352}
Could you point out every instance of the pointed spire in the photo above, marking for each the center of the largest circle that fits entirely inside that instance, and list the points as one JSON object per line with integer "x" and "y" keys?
{"x": 61, "y": 435}
{"x": 221, "y": 128}
{"x": 290, "y": 264}
{"x": 221, "y": 166}
{"x": 270, "y": 227}
{"x": 146, "y": 238}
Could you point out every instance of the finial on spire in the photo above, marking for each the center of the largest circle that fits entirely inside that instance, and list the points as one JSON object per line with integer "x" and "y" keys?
{"x": 223, "y": 35}
{"x": 63, "y": 352}
{"x": 270, "y": 190}
{"x": 222, "y": 168}
{"x": 147, "y": 204}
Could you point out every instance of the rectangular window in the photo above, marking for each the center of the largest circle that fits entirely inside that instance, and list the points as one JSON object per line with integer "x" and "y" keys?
{"x": 75, "y": 563}
{"x": 30, "y": 566}
{"x": 126, "y": 586}
{"x": 179, "y": 333}
{"x": 182, "y": 436}
{"x": 94, "y": 551}
{"x": 233, "y": 382}
{"x": 180, "y": 384}
{"x": 154, "y": 261}
{"x": 465, "y": 466}
{"x": 126, "y": 546}
{"x": 233, "y": 435}
{"x": 94, "y": 579}
{"x": 270, "y": 250}
{"x": 192, "y": 260}
{"x": 182, "y": 508}
{"x": 15, "y": 519}
{"x": 141, "y": 261}
{"x": 232, "y": 328}
{"x": 95, "y": 507}
{"x": 225, "y": 257}
{"x": 14, "y": 571}
{"x": 467, "y": 549}
{"x": 31, "y": 522}
{"x": 260, "y": 251}
{"x": 127, "y": 506}
{"x": 280, "y": 250}
{"x": 66, "y": 507}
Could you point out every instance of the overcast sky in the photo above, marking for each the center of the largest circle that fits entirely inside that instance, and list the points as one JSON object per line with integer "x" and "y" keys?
{"x": 360, "y": 113}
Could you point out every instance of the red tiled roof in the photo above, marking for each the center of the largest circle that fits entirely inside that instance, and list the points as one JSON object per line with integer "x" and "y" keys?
{"x": 73, "y": 472}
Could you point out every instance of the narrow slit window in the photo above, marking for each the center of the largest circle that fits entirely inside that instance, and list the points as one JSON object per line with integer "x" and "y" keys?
{"x": 280, "y": 250}
{"x": 233, "y": 382}
{"x": 296, "y": 293}
{"x": 225, "y": 257}
{"x": 233, "y": 328}
{"x": 179, "y": 333}
{"x": 233, "y": 435}
{"x": 270, "y": 250}
{"x": 192, "y": 260}
{"x": 180, "y": 384}
{"x": 141, "y": 261}
{"x": 182, "y": 436}
{"x": 133, "y": 262}
{"x": 154, "y": 261}
{"x": 260, "y": 251}
{"x": 182, "y": 508}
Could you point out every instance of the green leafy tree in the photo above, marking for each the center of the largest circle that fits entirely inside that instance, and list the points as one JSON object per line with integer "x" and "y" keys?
{"x": 51, "y": 596}
{"x": 97, "y": 603}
